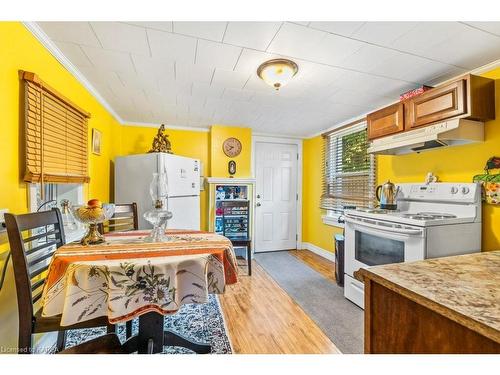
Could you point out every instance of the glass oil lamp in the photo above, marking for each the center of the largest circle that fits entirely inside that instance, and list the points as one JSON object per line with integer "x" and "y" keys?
{"x": 159, "y": 214}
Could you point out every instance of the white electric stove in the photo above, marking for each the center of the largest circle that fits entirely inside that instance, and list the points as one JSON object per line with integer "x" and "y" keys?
{"x": 432, "y": 220}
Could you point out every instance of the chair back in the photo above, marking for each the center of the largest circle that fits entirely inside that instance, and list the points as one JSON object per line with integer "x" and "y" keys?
{"x": 124, "y": 219}
{"x": 33, "y": 240}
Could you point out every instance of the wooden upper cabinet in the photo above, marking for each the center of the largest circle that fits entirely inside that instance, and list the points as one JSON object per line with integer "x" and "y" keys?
{"x": 386, "y": 121}
{"x": 471, "y": 97}
{"x": 437, "y": 104}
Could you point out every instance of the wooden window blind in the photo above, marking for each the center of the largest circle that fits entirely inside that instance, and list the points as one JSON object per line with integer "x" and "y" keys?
{"x": 348, "y": 170}
{"x": 55, "y": 135}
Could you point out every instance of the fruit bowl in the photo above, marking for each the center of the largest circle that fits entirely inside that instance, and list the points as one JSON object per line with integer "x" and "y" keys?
{"x": 91, "y": 215}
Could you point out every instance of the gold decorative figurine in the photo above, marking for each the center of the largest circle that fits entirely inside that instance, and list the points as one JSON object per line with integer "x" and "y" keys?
{"x": 161, "y": 142}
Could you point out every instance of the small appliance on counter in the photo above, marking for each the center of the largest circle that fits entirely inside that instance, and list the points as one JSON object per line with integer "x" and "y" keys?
{"x": 433, "y": 220}
{"x": 387, "y": 195}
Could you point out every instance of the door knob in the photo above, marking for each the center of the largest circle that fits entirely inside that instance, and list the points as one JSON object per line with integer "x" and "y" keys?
{"x": 258, "y": 204}
{"x": 258, "y": 195}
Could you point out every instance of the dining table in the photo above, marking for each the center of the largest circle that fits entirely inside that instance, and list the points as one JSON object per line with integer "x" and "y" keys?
{"x": 127, "y": 277}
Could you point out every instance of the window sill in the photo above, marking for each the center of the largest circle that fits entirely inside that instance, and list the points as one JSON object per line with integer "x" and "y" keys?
{"x": 332, "y": 220}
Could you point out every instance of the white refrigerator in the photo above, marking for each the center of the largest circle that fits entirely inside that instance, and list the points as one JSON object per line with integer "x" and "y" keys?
{"x": 134, "y": 173}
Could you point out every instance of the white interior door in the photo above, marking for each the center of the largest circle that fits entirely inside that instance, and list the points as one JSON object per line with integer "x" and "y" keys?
{"x": 276, "y": 196}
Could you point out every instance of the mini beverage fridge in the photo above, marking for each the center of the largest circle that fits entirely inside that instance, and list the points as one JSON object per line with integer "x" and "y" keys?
{"x": 231, "y": 207}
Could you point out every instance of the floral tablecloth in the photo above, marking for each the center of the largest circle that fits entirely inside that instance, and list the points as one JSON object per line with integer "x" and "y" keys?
{"x": 126, "y": 277}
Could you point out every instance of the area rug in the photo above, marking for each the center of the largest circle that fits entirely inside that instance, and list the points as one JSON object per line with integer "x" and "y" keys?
{"x": 199, "y": 322}
{"x": 320, "y": 298}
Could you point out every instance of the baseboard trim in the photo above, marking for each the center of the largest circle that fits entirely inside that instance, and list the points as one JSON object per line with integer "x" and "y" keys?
{"x": 319, "y": 251}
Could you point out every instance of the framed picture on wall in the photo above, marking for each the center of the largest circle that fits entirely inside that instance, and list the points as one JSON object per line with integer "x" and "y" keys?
{"x": 96, "y": 141}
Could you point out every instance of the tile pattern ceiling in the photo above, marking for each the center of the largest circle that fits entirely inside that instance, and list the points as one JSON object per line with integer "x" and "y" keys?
{"x": 201, "y": 73}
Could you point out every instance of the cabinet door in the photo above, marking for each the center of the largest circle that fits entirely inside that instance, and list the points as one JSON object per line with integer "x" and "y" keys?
{"x": 389, "y": 120}
{"x": 438, "y": 104}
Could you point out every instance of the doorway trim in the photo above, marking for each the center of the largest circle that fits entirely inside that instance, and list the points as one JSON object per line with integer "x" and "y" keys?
{"x": 288, "y": 141}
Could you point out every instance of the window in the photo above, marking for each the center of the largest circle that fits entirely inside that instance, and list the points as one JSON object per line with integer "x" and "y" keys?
{"x": 349, "y": 171}
{"x": 55, "y": 135}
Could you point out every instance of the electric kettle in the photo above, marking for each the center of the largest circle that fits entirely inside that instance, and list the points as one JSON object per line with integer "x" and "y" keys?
{"x": 386, "y": 195}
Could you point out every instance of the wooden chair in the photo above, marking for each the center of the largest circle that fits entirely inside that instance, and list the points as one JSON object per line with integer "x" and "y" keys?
{"x": 124, "y": 219}
{"x": 33, "y": 240}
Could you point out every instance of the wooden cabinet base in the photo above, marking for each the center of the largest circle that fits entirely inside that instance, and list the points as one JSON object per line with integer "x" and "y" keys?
{"x": 396, "y": 324}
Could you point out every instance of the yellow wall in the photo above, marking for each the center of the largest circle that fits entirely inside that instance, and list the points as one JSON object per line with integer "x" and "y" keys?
{"x": 192, "y": 144}
{"x": 20, "y": 50}
{"x": 453, "y": 164}
{"x": 313, "y": 229}
{"x": 219, "y": 160}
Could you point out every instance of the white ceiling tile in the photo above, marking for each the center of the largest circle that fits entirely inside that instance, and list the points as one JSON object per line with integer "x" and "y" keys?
{"x": 74, "y": 53}
{"x": 193, "y": 73}
{"x": 168, "y": 46}
{"x": 119, "y": 36}
{"x": 346, "y": 28}
{"x": 148, "y": 66}
{"x": 333, "y": 49}
{"x": 205, "y": 30}
{"x": 99, "y": 76}
{"x": 383, "y": 33}
{"x": 256, "y": 35}
{"x": 140, "y": 81}
{"x": 296, "y": 41}
{"x": 339, "y": 77}
{"x": 237, "y": 94}
{"x": 470, "y": 48}
{"x": 169, "y": 86}
{"x": 109, "y": 60}
{"x": 490, "y": 27}
{"x": 74, "y": 32}
{"x": 411, "y": 68}
{"x": 229, "y": 79}
{"x": 426, "y": 34}
{"x": 162, "y": 26}
{"x": 367, "y": 57}
{"x": 205, "y": 89}
{"x": 303, "y": 23}
{"x": 218, "y": 55}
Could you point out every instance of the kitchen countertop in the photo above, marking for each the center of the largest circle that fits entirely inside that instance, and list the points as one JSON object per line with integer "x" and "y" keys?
{"x": 464, "y": 288}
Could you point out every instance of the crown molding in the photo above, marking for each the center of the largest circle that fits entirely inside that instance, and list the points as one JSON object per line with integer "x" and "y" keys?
{"x": 168, "y": 126}
{"x": 482, "y": 69}
{"x": 274, "y": 135}
{"x": 57, "y": 53}
{"x": 486, "y": 68}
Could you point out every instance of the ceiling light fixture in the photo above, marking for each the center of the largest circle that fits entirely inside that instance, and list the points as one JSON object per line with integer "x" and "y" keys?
{"x": 277, "y": 72}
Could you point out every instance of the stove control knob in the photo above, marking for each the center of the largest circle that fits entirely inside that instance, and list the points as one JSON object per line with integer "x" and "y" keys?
{"x": 454, "y": 190}
{"x": 465, "y": 190}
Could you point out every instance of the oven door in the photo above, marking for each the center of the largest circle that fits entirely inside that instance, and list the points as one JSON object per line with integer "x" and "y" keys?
{"x": 371, "y": 243}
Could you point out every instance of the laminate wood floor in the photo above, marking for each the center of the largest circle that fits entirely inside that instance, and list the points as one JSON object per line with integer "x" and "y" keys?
{"x": 262, "y": 319}
{"x": 322, "y": 265}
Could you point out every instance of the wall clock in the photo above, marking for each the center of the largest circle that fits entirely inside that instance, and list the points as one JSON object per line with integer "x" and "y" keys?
{"x": 231, "y": 147}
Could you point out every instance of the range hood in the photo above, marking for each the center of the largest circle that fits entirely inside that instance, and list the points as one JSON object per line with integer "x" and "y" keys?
{"x": 453, "y": 132}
